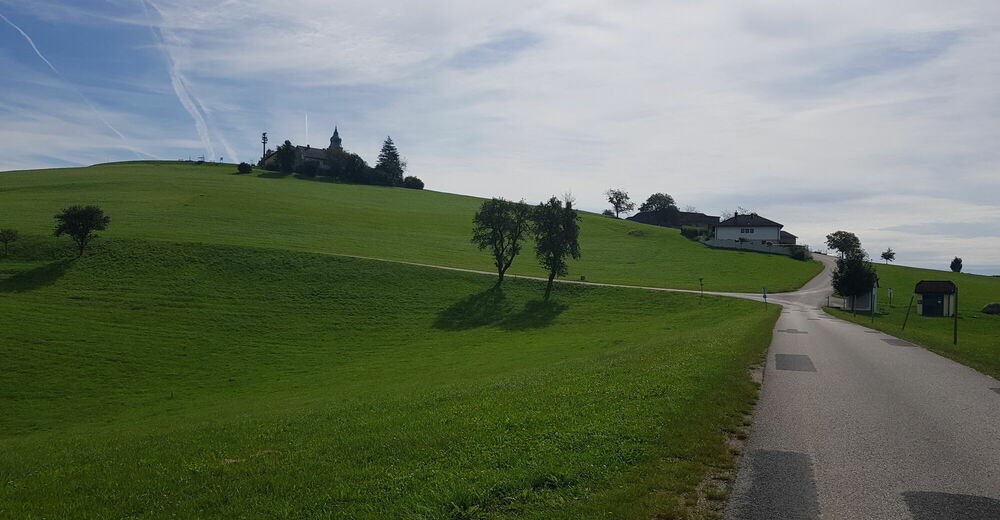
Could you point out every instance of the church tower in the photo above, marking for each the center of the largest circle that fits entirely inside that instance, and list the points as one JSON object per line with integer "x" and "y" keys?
{"x": 335, "y": 140}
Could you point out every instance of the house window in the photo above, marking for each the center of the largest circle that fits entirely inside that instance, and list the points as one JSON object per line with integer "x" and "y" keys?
{"x": 746, "y": 230}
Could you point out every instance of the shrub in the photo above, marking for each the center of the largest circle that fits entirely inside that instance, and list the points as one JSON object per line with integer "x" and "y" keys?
{"x": 801, "y": 253}
{"x": 244, "y": 168}
{"x": 413, "y": 183}
{"x": 693, "y": 232}
{"x": 608, "y": 213}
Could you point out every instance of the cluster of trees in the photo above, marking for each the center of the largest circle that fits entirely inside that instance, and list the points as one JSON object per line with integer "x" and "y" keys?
{"x": 500, "y": 226}
{"x": 341, "y": 164}
{"x": 660, "y": 204}
{"x": 77, "y": 222}
{"x": 855, "y": 275}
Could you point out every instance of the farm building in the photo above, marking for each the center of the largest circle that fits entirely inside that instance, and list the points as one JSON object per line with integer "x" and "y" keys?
{"x": 752, "y": 228}
{"x": 936, "y": 297}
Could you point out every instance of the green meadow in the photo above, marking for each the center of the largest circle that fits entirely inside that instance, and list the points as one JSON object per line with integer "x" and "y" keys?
{"x": 978, "y": 334}
{"x": 157, "y": 379}
{"x": 207, "y": 204}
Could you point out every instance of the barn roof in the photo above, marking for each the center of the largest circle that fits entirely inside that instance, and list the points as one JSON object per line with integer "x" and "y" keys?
{"x": 935, "y": 287}
{"x": 751, "y": 220}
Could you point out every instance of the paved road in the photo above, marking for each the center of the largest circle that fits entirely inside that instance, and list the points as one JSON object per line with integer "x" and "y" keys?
{"x": 855, "y": 424}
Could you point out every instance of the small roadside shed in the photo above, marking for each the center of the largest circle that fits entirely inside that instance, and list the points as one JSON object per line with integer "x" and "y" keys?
{"x": 936, "y": 297}
{"x": 864, "y": 302}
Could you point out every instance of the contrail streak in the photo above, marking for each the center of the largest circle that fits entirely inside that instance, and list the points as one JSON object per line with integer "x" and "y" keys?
{"x": 75, "y": 89}
{"x": 179, "y": 83}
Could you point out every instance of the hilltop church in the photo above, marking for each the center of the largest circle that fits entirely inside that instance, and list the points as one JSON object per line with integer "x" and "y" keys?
{"x": 307, "y": 153}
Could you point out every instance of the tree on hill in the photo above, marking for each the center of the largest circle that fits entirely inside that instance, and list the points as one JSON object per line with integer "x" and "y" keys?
{"x": 80, "y": 222}
{"x": 348, "y": 166}
{"x": 620, "y": 201}
{"x": 7, "y": 236}
{"x": 413, "y": 183}
{"x": 499, "y": 226}
{"x": 956, "y": 265}
{"x": 390, "y": 163}
{"x": 286, "y": 156}
{"x": 855, "y": 274}
{"x": 663, "y": 207}
{"x": 556, "y": 237}
{"x": 843, "y": 241}
{"x": 889, "y": 255}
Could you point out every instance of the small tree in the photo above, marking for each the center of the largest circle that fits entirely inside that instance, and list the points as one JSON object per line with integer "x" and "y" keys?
{"x": 7, "y": 236}
{"x": 663, "y": 207}
{"x": 80, "y": 222}
{"x": 956, "y": 265}
{"x": 843, "y": 241}
{"x": 244, "y": 167}
{"x": 414, "y": 183}
{"x": 620, "y": 201}
{"x": 556, "y": 237}
{"x": 390, "y": 163}
{"x": 855, "y": 275}
{"x": 889, "y": 255}
{"x": 286, "y": 156}
{"x": 499, "y": 226}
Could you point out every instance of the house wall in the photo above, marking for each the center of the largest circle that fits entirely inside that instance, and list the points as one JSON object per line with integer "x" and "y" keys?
{"x": 758, "y": 233}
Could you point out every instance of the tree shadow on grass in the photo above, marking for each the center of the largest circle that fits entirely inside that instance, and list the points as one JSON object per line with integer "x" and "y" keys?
{"x": 491, "y": 308}
{"x": 268, "y": 174}
{"x": 36, "y": 278}
{"x": 537, "y": 314}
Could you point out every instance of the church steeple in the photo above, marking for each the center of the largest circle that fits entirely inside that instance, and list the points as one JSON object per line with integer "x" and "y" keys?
{"x": 335, "y": 140}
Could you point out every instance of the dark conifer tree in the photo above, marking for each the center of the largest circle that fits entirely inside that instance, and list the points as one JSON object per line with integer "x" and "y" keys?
{"x": 389, "y": 162}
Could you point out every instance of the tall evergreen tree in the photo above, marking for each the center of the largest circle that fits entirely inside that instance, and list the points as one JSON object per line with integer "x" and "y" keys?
{"x": 390, "y": 163}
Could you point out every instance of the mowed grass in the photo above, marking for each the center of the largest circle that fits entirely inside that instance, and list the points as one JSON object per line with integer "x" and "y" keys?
{"x": 152, "y": 379}
{"x": 978, "y": 334}
{"x": 207, "y": 204}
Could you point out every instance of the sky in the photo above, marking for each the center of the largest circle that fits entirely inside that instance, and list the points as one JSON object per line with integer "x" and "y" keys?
{"x": 879, "y": 118}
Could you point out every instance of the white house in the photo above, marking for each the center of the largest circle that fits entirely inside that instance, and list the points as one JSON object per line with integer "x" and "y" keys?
{"x": 751, "y": 228}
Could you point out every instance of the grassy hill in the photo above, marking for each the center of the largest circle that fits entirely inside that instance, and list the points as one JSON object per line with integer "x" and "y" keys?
{"x": 979, "y": 334}
{"x": 153, "y": 379}
{"x": 205, "y": 203}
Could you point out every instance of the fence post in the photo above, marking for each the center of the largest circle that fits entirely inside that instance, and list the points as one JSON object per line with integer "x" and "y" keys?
{"x": 907, "y": 313}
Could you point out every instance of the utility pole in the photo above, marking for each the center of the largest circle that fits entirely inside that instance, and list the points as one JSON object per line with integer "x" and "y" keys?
{"x": 263, "y": 146}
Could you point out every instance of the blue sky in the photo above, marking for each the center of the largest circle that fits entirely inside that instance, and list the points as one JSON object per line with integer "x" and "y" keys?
{"x": 878, "y": 118}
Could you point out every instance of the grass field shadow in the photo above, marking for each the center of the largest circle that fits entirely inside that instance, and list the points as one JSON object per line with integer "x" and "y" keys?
{"x": 492, "y": 308}
{"x": 35, "y": 278}
{"x": 273, "y": 175}
{"x": 484, "y": 308}
{"x": 536, "y": 314}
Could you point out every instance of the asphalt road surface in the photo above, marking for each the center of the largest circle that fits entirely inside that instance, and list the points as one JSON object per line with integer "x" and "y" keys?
{"x": 853, "y": 423}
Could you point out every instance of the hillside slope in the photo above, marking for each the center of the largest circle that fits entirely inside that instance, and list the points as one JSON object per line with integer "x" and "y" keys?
{"x": 205, "y": 203}
{"x": 158, "y": 380}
